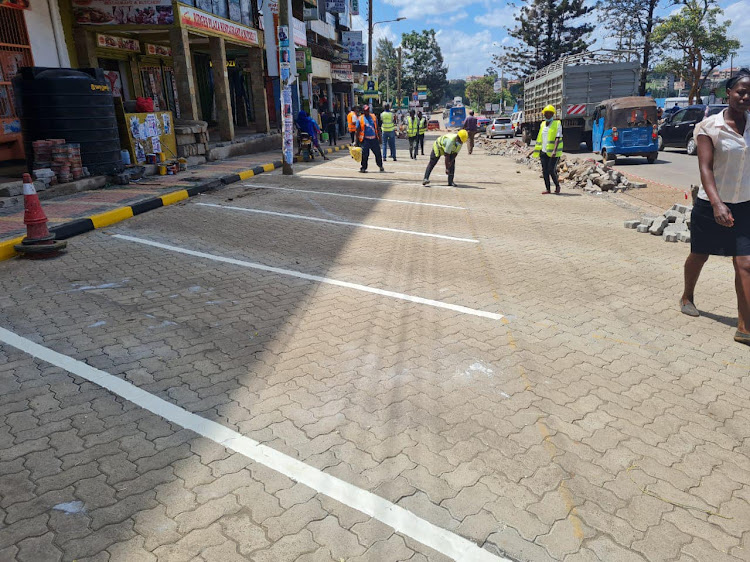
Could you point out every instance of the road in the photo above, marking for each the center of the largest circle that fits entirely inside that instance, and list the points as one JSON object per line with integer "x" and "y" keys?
{"x": 339, "y": 366}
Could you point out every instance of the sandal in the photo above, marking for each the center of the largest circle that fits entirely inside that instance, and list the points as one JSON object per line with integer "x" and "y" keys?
{"x": 742, "y": 337}
{"x": 689, "y": 309}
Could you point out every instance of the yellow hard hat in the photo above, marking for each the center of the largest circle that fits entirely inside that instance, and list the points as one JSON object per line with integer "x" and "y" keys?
{"x": 463, "y": 135}
{"x": 549, "y": 108}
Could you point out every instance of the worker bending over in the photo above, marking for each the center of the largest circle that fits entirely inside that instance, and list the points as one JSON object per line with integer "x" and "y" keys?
{"x": 448, "y": 145}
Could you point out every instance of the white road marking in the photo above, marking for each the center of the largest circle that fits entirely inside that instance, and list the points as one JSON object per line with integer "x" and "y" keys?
{"x": 261, "y": 186}
{"x": 398, "y": 183}
{"x": 315, "y": 278}
{"x": 344, "y": 223}
{"x": 401, "y": 520}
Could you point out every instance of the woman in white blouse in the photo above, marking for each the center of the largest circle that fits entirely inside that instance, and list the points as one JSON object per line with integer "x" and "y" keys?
{"x": 720, "y": 221}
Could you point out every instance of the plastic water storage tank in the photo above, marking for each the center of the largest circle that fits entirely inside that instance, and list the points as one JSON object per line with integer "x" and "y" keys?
{"x": 75, "y": 105}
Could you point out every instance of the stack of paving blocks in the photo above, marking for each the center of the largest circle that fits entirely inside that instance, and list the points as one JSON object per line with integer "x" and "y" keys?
{"x": 672, "y": 226}
{"x": 192, "y": 138}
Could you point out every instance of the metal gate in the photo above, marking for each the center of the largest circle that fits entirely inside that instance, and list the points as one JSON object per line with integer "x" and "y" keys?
{"x": 15, "y": 52}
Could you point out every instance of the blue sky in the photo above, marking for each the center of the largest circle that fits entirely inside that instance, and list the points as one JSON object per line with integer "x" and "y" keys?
{"x": 470, "y": 31}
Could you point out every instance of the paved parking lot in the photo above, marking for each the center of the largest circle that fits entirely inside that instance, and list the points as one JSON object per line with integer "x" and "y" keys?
{"x": 346, "y": 366}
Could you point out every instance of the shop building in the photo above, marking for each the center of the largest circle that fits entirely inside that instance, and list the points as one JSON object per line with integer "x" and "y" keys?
{"x": 201, "y": 61}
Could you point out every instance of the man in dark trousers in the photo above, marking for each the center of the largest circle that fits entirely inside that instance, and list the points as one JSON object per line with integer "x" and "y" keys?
{"x": 329, "y": 124}
{"x": 369, "y": 138}
{"x": 470, "y": 126}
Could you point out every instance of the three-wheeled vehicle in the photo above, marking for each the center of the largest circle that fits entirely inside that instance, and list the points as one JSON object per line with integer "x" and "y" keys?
{"x": 626, "y": 127}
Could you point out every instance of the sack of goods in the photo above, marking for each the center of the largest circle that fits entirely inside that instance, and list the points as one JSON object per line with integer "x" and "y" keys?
{"x": 356, "y": 153}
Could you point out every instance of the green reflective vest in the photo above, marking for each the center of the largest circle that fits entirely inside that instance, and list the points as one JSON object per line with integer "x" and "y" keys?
{"x": 386, "y": 118}
{"x": 549, "y": 142}
{"x": 422, "y": 125}
{"x": 412, "y": 126}
{"x": 447, "y": 144}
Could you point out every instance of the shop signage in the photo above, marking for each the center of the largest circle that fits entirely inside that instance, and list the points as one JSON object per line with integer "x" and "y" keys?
{"x": 21, "y": 4}
{"x": 355, "y": 8}
{"x": 342, "y": 72}
{"x": 114, "y": 42}
{"x": 336, "y": 6}
{"x": 212, "y": 25}
{"x": 300, "y": 33}
{"x": 353, "y": 45}
{"x": 310, "y": 14}
{"x": 330, "y": 19}
{"x": 123, "y": 12}
{"x": 158, "y": 50}
{"x": 304, "y": 60}
{"x": 273, "y": 6}
{"x": 421, "y": 88}
{"x": 421, "y": 96}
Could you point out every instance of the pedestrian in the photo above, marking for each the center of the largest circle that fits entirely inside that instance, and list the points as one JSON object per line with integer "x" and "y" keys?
{"x": 412, "y": 130}
{"x": 549, "y": 148}
{"x": 329, "y": 122}
{"x": 471, "y": 127}
{"x": 421, "y": 130}
{"x": 351, "y": 120}
{"x": 389, "y": 132}
{"x": 369, "y": 139}
{"x": 720, "y": 220}
{"x": 449, "y": 146}
{"x": 308, "y": 125}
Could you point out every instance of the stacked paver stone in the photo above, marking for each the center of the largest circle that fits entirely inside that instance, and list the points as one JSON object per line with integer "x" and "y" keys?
{"x": 672, "y": 226}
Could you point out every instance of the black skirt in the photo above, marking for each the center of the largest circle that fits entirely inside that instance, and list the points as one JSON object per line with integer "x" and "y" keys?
{"x": 709, "y": 237}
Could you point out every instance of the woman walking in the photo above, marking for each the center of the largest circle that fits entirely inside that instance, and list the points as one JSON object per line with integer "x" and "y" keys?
{"x": 720, "y": 221}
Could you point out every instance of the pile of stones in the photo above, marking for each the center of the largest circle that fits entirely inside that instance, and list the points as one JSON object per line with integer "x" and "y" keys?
{"x": 192, "y": 138}
{"x": 672, "y": 226}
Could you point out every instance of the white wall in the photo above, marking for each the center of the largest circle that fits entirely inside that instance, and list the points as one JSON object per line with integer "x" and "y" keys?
{"x": 46, "y": 38}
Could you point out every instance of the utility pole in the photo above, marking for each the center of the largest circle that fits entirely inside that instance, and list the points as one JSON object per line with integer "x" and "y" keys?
{"x": 369, "y": 38}
{"x": 287, "y": 125}
{"x": 398, "y": 77}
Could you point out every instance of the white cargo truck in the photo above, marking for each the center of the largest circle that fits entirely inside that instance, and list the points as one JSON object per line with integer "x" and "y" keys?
{"x": 575, "y": 85}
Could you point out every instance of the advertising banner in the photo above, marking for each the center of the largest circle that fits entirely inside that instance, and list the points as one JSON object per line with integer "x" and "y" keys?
{"x": 158, "y": 50}
{"x": 123, "y": 12}
{"x": 310, "y": 14}
{"x": 286, "y": 111}
{"x": 300, "y": 32}
{"x": 353, "y": 45}
{"x": 304, "y": 60}
{"x": 336, "y": 6}
{"x": 355, "y": 8}
{"x": 213, "y": 25}
{"x": 115, "y": 42}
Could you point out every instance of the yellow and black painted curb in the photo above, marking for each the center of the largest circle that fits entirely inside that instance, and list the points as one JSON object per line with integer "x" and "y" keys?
{"x": 101, "y": 220}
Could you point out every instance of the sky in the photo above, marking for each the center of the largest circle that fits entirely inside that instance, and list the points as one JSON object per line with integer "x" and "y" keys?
{"x": 471, "y": 31}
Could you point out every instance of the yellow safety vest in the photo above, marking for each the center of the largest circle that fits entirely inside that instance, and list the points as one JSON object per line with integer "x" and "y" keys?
{"x": 422, "y": 125}
{"x": 550, "y": 141}
{"x": 386, "y": 118}
{"x": 412, "y": 126}
{"x": 447, "y": 144}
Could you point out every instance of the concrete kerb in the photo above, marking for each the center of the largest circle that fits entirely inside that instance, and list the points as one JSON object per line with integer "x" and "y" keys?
{"x": 101, "y": 220}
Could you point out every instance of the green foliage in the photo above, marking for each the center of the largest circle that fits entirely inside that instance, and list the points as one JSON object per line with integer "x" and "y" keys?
{"x": 546, "y": 31}
{"x": 697, "y": 39}
{"x": 386, "y": 69}
{"x": 481, "y": 91}
{"x": 423, "y": 63}
{"x": 455, "y": 88}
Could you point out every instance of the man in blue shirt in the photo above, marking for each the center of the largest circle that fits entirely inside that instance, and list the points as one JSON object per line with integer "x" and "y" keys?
{"x": 369, "y": 138}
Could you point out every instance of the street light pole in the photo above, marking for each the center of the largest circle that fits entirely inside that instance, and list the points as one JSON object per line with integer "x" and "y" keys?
{"x": 398, "y": 77}
{"x": 369, "y": 38}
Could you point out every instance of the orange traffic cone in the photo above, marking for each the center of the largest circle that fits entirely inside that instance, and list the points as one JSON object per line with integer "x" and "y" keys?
{"x": 39, "y": 243}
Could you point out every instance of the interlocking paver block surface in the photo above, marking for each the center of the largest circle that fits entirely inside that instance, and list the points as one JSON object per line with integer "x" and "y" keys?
{"x": 593, "y": 421}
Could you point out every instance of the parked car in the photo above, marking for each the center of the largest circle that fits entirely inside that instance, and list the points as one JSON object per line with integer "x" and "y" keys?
{"x": 482, "y": 124}
{"x": 515, "y": 120}
{"x": 677, "y": 129}
{"x": 501, "y": 126}
{"x": 433, "y": 125}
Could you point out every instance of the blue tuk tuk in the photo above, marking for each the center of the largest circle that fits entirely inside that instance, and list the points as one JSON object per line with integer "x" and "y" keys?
{"x": 457, "y": 116}
{"x": 626, "y": 127}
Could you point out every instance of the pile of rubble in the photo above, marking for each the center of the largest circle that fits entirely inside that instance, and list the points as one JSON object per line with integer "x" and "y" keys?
{"x": 575, "y": 173}
{"x": 672, "y": 226}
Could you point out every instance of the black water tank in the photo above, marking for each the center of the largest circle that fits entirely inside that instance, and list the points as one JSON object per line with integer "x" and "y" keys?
{"x": 75, "y": 105}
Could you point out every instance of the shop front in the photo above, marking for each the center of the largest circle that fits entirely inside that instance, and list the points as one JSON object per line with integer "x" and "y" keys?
{"x": 343, "y": 90}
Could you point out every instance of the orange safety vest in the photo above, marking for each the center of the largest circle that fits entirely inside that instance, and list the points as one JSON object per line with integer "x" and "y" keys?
{"x": 350, "y": 120}
{"x": 362, "y": 126}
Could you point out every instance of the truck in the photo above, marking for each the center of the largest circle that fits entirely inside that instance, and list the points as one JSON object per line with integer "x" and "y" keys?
{"x": 575, "y": 85}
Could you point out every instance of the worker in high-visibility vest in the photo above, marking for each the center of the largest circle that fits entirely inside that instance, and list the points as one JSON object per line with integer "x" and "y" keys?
{"x": 369, "y": 138}
{"x": 449, "y": 146}
{"x": 421, "y": 130}
{"x": 412, "y": 131}
{"x": 548, "y": 148}
{"x": 388, "y": 124}
{"x": 351, "y": 121}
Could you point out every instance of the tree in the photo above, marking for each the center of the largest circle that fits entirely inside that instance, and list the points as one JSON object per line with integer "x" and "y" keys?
{"x": 385, "y": 67}
{"x": 546, "y": 31}
{"x": 699, "y": 41}
{"x": 481, "y": 91}
{"x": 634, "y": 19}
{"x": 455, "y": 88}
{"x": 424, "y": 64}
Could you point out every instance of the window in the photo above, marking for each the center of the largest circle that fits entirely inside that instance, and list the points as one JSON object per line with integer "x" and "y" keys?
{"x": 693, "y": 115}
{"x": 679, "y": 117}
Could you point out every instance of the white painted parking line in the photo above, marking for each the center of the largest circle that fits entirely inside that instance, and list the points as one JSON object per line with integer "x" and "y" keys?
{"x": 315, "y": 278}
{"x": 380, "y": 179}
{"x": 343, "y": 223}
{"x": 401, "y": 520}
{"x": 332, "y": 194}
